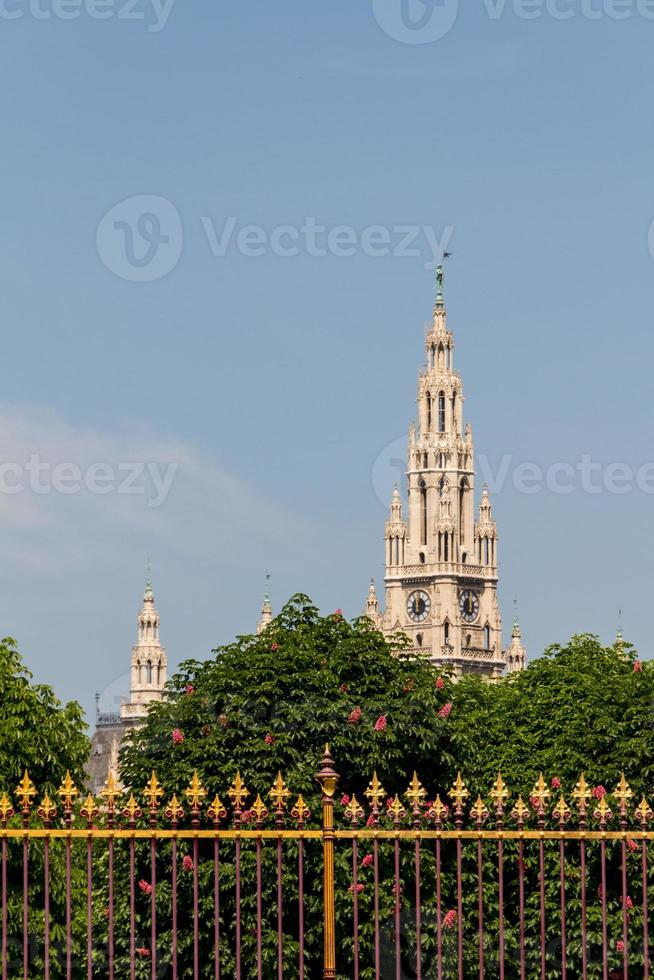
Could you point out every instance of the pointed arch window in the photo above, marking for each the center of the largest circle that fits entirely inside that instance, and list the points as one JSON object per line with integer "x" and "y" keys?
{"x": 486, "y": 551}
{"x": 148, "y": 672}
{"x": 463, "y": 486}
{"x": 428, "y": 410}
{"x": 446, "y": 633}
{"x": 441, "y": 412}
{"x": 487, "y": 637}
{"x": 423, "y": 512}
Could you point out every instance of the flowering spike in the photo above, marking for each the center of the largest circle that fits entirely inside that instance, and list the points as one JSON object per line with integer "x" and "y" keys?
{"x": 416, "y": 792}
{"x": 354, "y": 811}
{"x": 478, "y": 811}
{"x": 623, "y": 793}
{"x": 238, "y": 793}
{"x": 581, "y": 794}
{"x": 279, "y": 793}
{"x": 153, "y": 793}
{"x": 459, "y": 792}
{"x": 112, "y": 790}
{"x": 195, "y": 792}
{"x": 47, "y": 811}
{"x": 67, "y": 791}
{"x": 25, "y": 791}
{"x": 174, "y": 811}
{"x": 375, "y": 793}
{"x": 216, "y": 810}
{"x": 259, "y": 810}
{"x": 300, "y": 811}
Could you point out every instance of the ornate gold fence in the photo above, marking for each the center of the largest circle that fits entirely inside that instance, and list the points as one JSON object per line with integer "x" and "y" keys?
{"x": 141, "y": 885}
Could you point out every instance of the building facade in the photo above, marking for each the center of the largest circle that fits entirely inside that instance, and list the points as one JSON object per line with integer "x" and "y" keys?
{"x": 148, "y": 676}
{"x": 441, "y": 562}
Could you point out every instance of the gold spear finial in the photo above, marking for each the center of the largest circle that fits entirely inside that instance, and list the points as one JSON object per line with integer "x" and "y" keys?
{"x": 238, "y": 792}
{"x": 195, "y": 793}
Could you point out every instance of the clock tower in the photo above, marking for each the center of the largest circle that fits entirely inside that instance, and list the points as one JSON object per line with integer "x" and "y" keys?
{"x": 441, "y": 564}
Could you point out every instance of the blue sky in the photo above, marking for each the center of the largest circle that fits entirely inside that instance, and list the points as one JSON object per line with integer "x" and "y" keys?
{"x": 274, "y": 385}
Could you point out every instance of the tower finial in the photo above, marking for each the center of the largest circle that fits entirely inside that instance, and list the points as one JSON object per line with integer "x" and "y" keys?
{"x": 440, "y": 279}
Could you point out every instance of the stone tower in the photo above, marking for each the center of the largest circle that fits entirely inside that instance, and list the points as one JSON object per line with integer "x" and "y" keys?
{"x": 149, "y": 665}
{"x": 441, "y": 564}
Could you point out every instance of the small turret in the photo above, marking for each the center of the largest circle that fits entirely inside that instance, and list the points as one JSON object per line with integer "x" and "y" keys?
{"x": 516, "y": 654}
{"x": 266, "y": 614}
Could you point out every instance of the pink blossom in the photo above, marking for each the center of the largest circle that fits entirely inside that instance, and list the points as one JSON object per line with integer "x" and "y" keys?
{"x": 555, "y": 782}
{"x": 177, "y": 736}
{"x": 628, "y": 902}
{"x": 445, "y": 710}
{"x": 145, "y": 886}
{"x": 269, "y": 738}
{"x": 189, "y": 689}
{"x": 274, "y": 646}
{"x": 599, "y": 792}
{"x": 367, "y": 861}
{"x": 338, "y": 614}
{"x": 449, "y": 919}
{"x": 619, "y": 946}
{"x": 142, "y": 951}
{"x": 187, "y": 863}
{"x": 637, "y": 666}
{"x": 632, "y": 845}
{"x": 344, "y": 689}
{"x": 354, "y": 717}
{"x": 380, "y": 724}
{"x": 345, "y": 799}
{"x": 440, "y": 684}
{"x": 370, "y": 822}
{"x": 359, "y": 888}
{"x": 223, "y": 721}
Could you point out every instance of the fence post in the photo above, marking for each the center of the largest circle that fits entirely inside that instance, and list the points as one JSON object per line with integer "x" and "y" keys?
{"x": 328, "y": 778}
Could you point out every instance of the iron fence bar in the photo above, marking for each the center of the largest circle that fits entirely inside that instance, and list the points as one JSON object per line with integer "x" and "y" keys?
{"x": 459, "y": 908}
{"x": 541, "y": 875}
{"x": 645, "y": 912}
{"x": 216, "y": 906}
{"x": 132, "y": 910}
{"x": 418, "y": 914}
{"x": 605, "y": 945}
{"x": 196, "y": 911}
{"x": 625, "y": 914}
{"x": 111, "y": 909}
{"x": 4, "y": 909}
{"x": 375, "y": 855}
{"x": 238, "y": 907}
{"x": 509, "y": 834}
{"x": 173, "y": 885}
{"x": 89, "y": 909}
{"x": 280, "y": 922}
{"x": 562, "y": 894}
{"x": 480, "y": 905}
{"x": 26, "y": 906}
{"x": 397, "y": 908}
{"x": 355, "y": 905}
{"x": 500, "y": 902}
{"x": 300, "y": 860}
{"x": 439, "y": 914}
{"x": 521, "y": 911}
{"x": 259, "y": 915}
{"x": 584, "y": 913}
{"x": 46, "y": 909}
{"x": 153, "y": 907}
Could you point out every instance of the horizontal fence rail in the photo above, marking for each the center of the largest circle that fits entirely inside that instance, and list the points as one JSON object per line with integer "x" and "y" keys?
{"x": 141, "y": 885}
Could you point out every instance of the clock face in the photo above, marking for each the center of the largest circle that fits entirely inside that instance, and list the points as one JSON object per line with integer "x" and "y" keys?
{"x": 469, "y": 605}
{"x": 418, "y": 605}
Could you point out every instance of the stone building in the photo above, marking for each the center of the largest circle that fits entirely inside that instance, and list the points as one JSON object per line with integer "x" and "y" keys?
{"x": 148, "y": 675}
{"x": 441, "y": 563}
